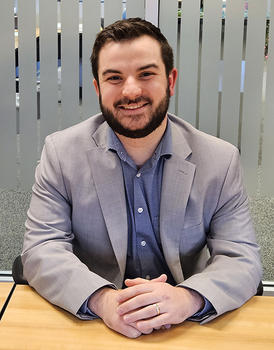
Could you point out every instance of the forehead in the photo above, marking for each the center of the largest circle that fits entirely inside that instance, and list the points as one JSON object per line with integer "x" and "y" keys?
{"x": 130, "y": 53}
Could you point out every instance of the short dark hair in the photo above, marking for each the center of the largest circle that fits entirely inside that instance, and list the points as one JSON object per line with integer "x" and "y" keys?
{"x": 129, "y": 29}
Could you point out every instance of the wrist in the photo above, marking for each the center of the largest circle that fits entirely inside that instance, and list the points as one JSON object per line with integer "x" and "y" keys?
{"x": 194, "y": 302}
{"x": 97, "y": 300}
{"x": 197, "y": 301}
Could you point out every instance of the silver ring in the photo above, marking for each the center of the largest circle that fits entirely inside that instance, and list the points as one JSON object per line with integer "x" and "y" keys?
{"x": 157, "y": 309}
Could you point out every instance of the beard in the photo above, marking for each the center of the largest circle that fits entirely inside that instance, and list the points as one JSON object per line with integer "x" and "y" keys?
{"x": 155, "y": 120}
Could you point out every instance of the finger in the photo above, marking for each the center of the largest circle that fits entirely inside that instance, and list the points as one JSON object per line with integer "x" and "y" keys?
{"x": 133, "y": 291}
{"x": 148, "y": 331}
{"x": 135, "y": 281}
{"x": 129, "y": 331}
{"x": 165, "y": 326}
{"x": 139, "y": 280}
{"x": 142, "y": 313}
{"x": 162, "y": 278}
{"x": 138, "y": 302}
{"x": 154, "y": 322}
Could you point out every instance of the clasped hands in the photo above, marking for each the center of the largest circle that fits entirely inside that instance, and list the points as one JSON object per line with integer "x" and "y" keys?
{"x": 144, "y": 306}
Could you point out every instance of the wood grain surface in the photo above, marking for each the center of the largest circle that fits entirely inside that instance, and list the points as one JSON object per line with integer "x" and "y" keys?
{"x": 30, "y": 322}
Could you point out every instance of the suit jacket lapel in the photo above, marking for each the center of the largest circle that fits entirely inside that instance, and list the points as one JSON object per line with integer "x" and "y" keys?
{"x": 108, "y": 178}
{"x": 177, "y": 181}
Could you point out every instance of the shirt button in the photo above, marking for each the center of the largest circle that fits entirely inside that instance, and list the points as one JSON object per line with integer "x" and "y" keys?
{"x": 148, "y": 277}
{"x": 143, "y": 243}
{"x": 140, "y": 210}
{"x": 138, "y": 175}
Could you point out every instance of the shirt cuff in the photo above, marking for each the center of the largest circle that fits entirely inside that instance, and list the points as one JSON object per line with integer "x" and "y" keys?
{"x": 85, "y": 310}
{"x": 207, "y": 310}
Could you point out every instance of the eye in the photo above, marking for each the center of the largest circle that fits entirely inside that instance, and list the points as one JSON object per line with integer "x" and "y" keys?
{"x": 114, "y": 78}
{"x": 146, "y": 74}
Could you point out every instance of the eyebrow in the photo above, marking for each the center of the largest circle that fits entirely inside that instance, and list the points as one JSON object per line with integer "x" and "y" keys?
{"x": 111, "y": 71}
{"x": 115, "y": 71}
{"x": 147, "y": 66}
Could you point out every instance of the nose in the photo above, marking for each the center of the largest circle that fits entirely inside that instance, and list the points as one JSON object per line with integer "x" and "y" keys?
{"x": 131, "y": 88}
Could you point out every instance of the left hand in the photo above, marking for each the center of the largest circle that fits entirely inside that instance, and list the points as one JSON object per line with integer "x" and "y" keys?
{"x": 137, "y": 304}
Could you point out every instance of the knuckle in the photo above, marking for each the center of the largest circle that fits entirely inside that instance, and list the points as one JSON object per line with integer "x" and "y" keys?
{"x": 165, "y": 297}
{"x": 144, "y": 327}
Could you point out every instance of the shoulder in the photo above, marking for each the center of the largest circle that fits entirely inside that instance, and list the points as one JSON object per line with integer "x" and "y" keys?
{"x": 78, "y": 136}
{"x": 202, "y": 145}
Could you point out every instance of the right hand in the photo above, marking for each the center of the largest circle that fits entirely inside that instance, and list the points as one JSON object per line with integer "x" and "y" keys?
{"x": 104, "y": 304}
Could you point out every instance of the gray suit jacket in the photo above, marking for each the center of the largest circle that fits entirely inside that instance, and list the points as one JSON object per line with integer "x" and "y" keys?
{"x": 76, "y": 238}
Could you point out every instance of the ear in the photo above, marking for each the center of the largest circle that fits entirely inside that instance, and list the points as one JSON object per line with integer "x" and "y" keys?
{"x": 172, "y": 77}
{"x": 97, "y": 88}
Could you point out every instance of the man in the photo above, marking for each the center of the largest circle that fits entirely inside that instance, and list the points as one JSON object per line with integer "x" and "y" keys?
{"x": 137, "y": 217}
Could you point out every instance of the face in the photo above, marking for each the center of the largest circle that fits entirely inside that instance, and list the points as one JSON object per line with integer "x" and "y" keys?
{"x": 133, "y": 88}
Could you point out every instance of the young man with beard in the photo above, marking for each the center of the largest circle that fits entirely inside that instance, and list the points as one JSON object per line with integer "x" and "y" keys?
{"x": 137, "y": 217}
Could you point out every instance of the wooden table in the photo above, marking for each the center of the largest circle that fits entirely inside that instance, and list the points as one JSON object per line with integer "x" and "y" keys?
{"x": 5, "y": 288}
{"x": 30, "y": 322}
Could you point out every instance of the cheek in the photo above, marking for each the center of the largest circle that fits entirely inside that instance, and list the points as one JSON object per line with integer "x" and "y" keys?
{"x": 108, "y": 96}
{"x": 158, "y": 90}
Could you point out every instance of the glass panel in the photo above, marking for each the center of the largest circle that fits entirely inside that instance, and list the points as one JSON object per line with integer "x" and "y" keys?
{"x": 189, "y": 59}
{"x": 168, "y": 22}
{"x": 252, "y": 103}
{"x": 27, "y": 91}
{"x": 7, "y": 98}
{"x": 69, "y": 63}
{"x": 232, "y": 63}
{"x": 210, "y": 63}
{"x": 113, "y": 11}
{"x": 91, "y": 26}
{"x": 49, "y": 66}
{"x": 135, "y": 8}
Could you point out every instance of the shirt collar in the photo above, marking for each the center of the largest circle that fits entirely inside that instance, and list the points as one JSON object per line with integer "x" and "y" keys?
{"x": 164, "y": 148}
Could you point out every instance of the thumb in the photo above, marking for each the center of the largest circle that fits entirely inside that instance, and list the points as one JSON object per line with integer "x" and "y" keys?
{"x": 162, "y": 278}
{"x": 139, "y": 280}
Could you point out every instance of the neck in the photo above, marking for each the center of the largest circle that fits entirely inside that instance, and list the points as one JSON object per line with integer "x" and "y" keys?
{"x": 142, "y": 149}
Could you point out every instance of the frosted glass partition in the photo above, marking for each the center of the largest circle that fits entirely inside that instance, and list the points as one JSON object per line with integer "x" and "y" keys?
{"x": 135, "y": 8}
{"x": 113, "y": 11}
{"x": 7, "y": 98}
{"x": 232, "y": 64}
{"x": 268, "y": 124}
{"x": 252, "y": 103}
{"x": 223, "y": 51}
{"x": 210, "y": 62}
{"x": 169, "y": 9}
{"x": 69, "y": 63}
{"x": 91, "y": 26}
{"x": 49, "y": 121}
{"x": 27, "y": 70}
{"x": 189, "y": 60}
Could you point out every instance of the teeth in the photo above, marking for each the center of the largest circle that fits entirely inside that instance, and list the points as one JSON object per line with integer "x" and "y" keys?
{"x": 132, "y": 106}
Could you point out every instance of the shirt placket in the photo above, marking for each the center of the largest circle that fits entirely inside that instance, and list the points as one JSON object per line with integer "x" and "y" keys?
{"x": 142, "y": 225}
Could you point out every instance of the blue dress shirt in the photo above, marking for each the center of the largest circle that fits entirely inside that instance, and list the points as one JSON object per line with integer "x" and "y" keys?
{"x": 143, "y": 185}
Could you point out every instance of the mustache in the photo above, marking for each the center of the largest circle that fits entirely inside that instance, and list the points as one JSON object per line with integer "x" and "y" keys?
{"x": 127, "y": 101}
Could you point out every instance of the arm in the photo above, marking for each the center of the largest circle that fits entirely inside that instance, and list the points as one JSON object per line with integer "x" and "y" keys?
{"x": 234, "y": 254}
{"x": 50, "y": 264}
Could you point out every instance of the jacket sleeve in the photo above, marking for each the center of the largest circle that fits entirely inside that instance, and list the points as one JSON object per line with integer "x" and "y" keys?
{"x": 233, "y": 271}
{"x": 49, "y": 263}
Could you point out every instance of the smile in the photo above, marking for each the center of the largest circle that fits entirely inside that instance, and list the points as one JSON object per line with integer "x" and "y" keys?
{"x": 132, "y": 106}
